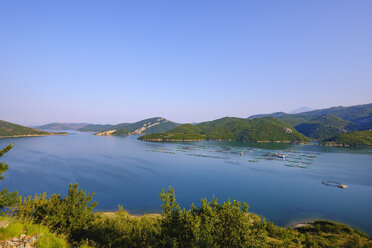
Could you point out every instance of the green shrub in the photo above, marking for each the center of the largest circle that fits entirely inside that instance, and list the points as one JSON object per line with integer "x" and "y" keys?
{"x": 72, "y": 215}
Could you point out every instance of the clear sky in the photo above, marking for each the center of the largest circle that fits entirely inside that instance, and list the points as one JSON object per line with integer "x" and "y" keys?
{"x": 188, "y": 61}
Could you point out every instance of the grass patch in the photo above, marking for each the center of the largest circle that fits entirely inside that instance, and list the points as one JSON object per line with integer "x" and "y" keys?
{"x": 46, "y": 240}
{"x": 51, "y": 241}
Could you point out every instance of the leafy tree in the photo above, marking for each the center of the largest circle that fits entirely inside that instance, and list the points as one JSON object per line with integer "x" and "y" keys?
{"x": 3, "y": 166}
{"x": 7, "y": 198}
{"x": 211, "y": 225}
{"x": 72, "y": 215}
{"x": 124, "y": 230}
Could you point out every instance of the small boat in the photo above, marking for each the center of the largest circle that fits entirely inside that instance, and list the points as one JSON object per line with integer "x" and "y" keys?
{"x": 279, "y": 155}
{"x": 335, "y": 184}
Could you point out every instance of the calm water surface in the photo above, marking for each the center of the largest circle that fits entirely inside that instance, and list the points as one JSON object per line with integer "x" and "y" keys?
{"x": 123, "y": 170}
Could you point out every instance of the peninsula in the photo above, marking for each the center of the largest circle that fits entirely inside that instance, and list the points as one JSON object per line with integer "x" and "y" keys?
{"x": 11, "y": 130}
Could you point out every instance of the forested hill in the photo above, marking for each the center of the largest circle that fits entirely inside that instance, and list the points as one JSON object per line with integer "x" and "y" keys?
{"x": 324, "y": 124}
{"x": 355, "y": 138}
{"x": 152, "y": 125}
{"x": 267, "y": 129}
{"x": 8, "y": 129}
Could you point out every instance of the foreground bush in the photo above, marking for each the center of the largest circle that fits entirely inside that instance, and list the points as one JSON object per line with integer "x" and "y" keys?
{"x": 72, "y": 215}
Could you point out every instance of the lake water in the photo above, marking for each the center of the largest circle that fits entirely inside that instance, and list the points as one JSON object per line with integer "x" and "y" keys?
{"x": 123, "y": 170}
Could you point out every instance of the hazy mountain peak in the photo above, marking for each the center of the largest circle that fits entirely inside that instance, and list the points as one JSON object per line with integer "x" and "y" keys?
{"x": 300, "y": 110}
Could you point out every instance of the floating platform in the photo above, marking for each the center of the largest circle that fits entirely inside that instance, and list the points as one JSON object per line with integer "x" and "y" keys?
{"x": 303, "y": 166}
{"x": 290, "y": 165}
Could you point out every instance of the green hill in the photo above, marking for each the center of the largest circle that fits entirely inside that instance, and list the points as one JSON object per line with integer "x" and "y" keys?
{"x": 8, "y": 130}
{"x": 324, "y": 124}
{"x": 323, "y": 127}
{"x": 152, "y": 125}
{"x": 97, "y": 127}
{"x": 267, "y": 129}
{"x": 355, "y": 138}
{"x": 186, "y": 132}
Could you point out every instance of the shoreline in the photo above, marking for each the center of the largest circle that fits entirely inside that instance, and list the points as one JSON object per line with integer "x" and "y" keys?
{"x": 294, "y": 223}
{"x": 32, "y": 135}
{"x": 160, "y": 140}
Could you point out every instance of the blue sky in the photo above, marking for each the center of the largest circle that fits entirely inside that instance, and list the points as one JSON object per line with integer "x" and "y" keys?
{"x": 188, "y": 61}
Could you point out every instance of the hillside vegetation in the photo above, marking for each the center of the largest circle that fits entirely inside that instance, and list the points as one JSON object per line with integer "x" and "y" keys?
{"x": 322, "y": 127}
{"x": 8, "y": 129}
{"x": 267, "y": 129}
{"x": 186, "y": 132}
{"x": 355, "y": 138}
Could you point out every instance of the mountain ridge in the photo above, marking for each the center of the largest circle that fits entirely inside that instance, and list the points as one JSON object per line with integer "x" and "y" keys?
{"x": 59, "y": 126}
{"x": 323, "y": 124}
{"x": 150, "y": 125}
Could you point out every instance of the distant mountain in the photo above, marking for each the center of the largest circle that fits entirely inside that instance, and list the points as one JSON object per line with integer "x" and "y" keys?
{"x": 266, "y": 129}
{"x": 276, "y": 115}
{"x": 97, "y": 127}
{"x": 152, "y": 125}
{"x": 8, "y": 130}
{"x": 62, "y": 126}
{"x": 300, "y": 110}
{"x": 355, "y": 138}
{"x": 323, "y": 124}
